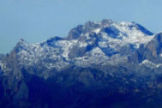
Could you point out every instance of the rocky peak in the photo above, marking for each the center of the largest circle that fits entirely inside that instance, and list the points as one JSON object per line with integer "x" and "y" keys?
{"x": 155, "y": 45}
{"x": 21, "y": 45}
{"x": 52, "y": 41}
{"x": 116, "y": 41}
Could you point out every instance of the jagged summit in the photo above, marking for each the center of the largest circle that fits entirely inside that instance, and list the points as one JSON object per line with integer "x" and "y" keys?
{"x": 96, "y": 64}
{"x": 114, "y": 28}
{"x": 105, "y": 40}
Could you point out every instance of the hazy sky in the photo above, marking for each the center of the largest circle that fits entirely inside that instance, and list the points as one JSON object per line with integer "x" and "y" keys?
{"x": 38, "y": 20}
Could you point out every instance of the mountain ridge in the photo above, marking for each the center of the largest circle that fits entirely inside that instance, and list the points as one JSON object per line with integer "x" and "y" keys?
{"x": 92, "y": 35}
{"x": 98, "y": 64}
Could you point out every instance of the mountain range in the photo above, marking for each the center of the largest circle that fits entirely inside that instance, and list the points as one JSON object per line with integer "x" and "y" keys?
{"x": 103, "y": 64}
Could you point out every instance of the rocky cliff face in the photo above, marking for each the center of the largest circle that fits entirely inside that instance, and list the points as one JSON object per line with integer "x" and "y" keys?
{"x": 104, "y": 64}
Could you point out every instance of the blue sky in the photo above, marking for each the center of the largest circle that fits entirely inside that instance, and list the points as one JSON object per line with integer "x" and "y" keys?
{"x": 38, "y": 20}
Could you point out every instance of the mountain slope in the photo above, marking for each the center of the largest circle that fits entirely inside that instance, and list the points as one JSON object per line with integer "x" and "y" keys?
{"x": 106, "y": 40}
{"x": 96, "y": 65}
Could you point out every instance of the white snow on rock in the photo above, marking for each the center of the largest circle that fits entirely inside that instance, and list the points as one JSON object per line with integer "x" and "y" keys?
{"x": 97, "y": 30}
{"x": 55, "y": 54}
{"x": 2, "y": 66}
{"x": 133, "y": 35}
{"x": 82, "y": 44}
{"x": 66, "y": 46}
{"x": 97, "y": 52}
{"x": 129, "y": 33}
{"x": 161, "y": 55}
{"x": 150, "y": 64}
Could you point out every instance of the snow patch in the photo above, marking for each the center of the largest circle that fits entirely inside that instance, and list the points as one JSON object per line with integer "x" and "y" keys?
{"x": 83, "y": 44}
{"x": 161, "y": 55}
{"x": 97, "y": 30}
{"x": 150, "y": 64}
{"x": 66, "y": 46}
{"x": 134, "y": 35}
{"x": 2, "y": 65}
{"x": 97, "y": 52}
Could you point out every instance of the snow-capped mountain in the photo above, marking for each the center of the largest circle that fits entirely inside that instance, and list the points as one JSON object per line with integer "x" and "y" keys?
{"x": 106, "y": 41}
{"x": 92, "y": 57}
